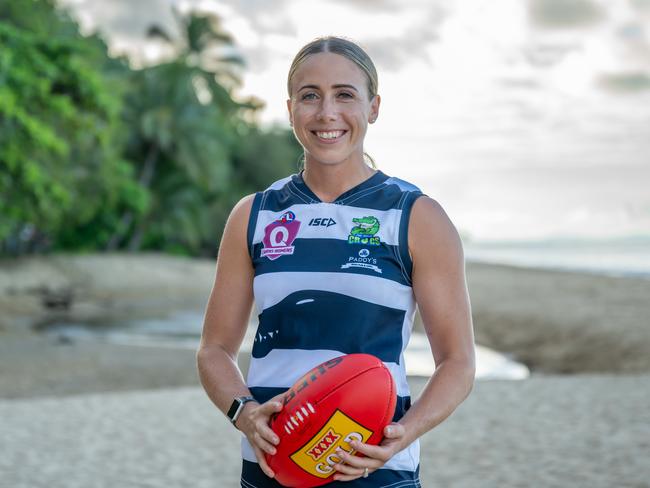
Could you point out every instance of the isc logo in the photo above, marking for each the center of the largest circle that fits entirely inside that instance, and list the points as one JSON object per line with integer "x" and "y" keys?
{"x": 323, "y": 222}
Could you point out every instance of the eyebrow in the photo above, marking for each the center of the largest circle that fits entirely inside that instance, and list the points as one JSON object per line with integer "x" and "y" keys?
{"x": 340, "y": 85}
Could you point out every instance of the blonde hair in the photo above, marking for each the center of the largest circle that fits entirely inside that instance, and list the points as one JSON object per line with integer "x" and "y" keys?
{"x": 347, "y": 49}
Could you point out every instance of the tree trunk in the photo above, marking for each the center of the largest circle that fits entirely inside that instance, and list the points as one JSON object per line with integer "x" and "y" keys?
{"x": 145, "y": 179}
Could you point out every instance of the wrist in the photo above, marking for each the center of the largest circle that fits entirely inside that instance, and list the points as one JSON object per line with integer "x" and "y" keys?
{"x": 237, "y": 408}
{"x": 244, "y": 414}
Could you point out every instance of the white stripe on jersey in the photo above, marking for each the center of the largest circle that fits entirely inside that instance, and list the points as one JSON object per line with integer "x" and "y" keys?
{"x": 342, "y": 215}
{"x": 279, "y": 184}
{"x": 278, "y": 368}
{"x": 271, "y": 288}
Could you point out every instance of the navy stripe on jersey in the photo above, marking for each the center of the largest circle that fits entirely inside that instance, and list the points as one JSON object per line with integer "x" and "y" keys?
{"x": 380, "y": 193}
{"x": 317, "y": 319}
{"x": 263, "y": 394}
{"x": 336, "y": 255}
{"x": 406, "y": 206}
{"x": 254, "y": 477}
{"x": 252, "y": 222}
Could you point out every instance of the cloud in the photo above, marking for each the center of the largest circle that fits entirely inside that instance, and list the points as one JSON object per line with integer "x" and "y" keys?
{"x": 625, "y": 82}
{"x": 564, "y": 13}
{"x": 370, "y": 5}
{"x": 392, "y": 52}
{"x": 548, "y": 53}
{"x": 124, "y": 18}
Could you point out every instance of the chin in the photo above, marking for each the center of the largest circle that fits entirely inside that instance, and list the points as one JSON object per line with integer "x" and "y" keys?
{"x": 330, "y": 159}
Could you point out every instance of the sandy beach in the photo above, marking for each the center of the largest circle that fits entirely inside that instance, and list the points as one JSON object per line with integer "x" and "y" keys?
{"x": 557, "y": 431}
{"x": 84, "y": 413}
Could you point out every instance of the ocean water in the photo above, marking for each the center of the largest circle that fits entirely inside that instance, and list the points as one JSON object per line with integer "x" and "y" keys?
{"x": 616, "y": 257}
{"x": 182, "y": 330}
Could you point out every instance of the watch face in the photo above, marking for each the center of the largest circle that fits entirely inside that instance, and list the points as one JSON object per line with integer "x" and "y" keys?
{"x": 233, "y": 409}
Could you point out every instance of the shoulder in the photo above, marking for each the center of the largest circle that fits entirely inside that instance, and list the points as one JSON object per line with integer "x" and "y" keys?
{"x": 241, "y": 210}
{"x": 237, "y": 224}
{"x": 243, "y": 207}
{"x": 403, "y": 185}
{"x": 431, "y": 233}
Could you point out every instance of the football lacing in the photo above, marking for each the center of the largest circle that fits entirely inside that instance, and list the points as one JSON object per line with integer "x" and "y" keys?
{"x": 292, "y": 423}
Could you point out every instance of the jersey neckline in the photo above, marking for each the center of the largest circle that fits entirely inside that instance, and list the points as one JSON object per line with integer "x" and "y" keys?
{"x": 376, "y": 178}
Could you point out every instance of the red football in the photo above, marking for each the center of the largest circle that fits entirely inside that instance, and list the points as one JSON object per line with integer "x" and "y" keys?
{"x": 348, "y": 397}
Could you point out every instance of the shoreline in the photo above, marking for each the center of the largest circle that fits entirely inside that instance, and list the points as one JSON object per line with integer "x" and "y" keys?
{"x": 554, "y": 322}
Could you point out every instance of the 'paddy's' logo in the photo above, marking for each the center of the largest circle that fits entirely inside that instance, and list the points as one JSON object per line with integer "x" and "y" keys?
{"x": 364, "y": 231}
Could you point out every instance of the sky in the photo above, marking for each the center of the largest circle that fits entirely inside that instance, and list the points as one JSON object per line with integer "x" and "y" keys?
{"x": 524, "y": 119}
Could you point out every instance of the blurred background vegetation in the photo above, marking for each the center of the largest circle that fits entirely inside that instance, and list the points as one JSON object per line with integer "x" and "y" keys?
{"x": 96, "y": 155}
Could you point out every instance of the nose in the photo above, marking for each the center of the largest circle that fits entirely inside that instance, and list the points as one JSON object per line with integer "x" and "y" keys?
{"x": 327, "y": 110}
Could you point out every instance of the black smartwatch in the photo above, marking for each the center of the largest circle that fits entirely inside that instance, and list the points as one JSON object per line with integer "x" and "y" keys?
{"x": 237, "y": 407}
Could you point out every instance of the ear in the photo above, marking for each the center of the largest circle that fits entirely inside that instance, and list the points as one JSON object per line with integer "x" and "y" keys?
{"x": 374, "y": 109}
{"x": 289, "y": 109}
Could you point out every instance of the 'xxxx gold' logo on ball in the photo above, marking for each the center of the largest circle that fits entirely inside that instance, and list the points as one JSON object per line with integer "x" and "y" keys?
{"x": 318, "y": 455}
{"x": 323, "y": 445}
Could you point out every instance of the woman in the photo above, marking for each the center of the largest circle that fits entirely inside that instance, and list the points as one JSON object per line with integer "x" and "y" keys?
{"x": 336, "y": 258}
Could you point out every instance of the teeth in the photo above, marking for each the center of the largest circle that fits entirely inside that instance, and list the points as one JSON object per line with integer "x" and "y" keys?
{"x": 330, "y": 135}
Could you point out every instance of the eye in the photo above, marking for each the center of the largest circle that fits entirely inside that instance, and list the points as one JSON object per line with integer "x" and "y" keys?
{"x": 308, "y": 96}
{"x": 346, "y": 95}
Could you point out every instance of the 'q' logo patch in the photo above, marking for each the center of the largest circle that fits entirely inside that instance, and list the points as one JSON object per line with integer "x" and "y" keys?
{"x": 279, "y": 235}
{"x": 318, "y": 455}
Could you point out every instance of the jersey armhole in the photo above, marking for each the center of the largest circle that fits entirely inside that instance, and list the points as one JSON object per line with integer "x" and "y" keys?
{"x": 252, "y": 222}
{"x": 405, "y": 257}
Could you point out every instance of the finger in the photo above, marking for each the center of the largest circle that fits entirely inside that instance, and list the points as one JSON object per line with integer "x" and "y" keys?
{"x": 270, "y": 407}
{"x": 374, "y": 452}
{"x": 340, "y": 477}
{"x": 263, "y": 444}
{"x": 262, "y": 462}
{"x": 394, "y": 430}
{"x": 267, "y": 434}
{"x": 346, "y": 469}
{"x": 278, "y": 398}
{"x": 347, "y": 477}
{"x": 358, "y": 462}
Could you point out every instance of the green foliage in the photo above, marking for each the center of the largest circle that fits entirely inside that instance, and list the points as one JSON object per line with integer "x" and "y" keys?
{"x": 58, "y": 129}
{"x": 95, "y": 155}
{"x": 197, "y": 153}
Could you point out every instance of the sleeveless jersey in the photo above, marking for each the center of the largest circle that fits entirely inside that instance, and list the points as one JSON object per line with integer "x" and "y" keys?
{"x": 331, "y": 279}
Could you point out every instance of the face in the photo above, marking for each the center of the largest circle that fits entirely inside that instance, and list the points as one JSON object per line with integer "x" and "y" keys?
{"x": 329, "y": 109}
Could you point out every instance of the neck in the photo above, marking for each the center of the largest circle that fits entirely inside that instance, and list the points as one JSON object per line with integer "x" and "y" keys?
{"x": 330, "y": 181}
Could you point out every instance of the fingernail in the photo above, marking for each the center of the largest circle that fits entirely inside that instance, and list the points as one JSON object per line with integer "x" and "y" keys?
{"x": 389, "y": 431}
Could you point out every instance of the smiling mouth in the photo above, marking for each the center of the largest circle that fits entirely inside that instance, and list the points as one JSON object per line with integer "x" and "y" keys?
{"x": 329, "y": 136}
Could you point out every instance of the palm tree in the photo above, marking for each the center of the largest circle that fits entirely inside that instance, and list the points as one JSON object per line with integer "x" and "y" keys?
{"x": 186, "y": 121}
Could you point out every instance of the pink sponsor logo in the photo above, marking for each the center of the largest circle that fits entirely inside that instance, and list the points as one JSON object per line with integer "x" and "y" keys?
{"x": 279, "y": 235}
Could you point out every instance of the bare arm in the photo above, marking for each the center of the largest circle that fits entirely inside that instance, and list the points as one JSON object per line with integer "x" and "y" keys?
{"x": 227, "y": 313}
{"x": 443, "y": 300}
{"x": 441, "y": 293}
{"x": 224, "y": 327}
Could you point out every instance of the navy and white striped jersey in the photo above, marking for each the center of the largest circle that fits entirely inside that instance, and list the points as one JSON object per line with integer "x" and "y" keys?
{"x": 331, "y": 279}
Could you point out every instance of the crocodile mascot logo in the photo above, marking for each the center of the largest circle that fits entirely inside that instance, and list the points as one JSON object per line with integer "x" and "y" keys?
{"x": 364, "y": 231}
